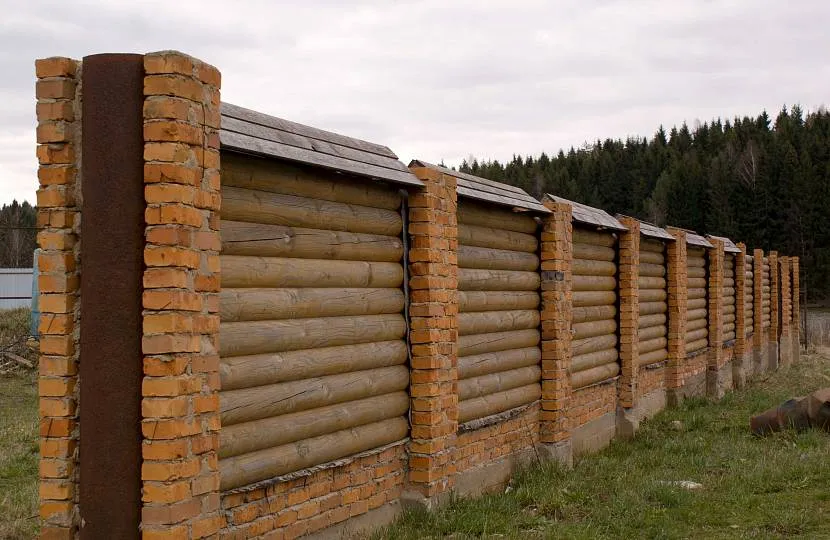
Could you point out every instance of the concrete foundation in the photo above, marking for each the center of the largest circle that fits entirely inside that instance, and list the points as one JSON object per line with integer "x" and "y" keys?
{"x": 595, "y": 435}
{"x": 772, "y": 356}
{"x": 786, "y": 351}
{"x": 362, "y": 524}
{"x": 695, "y": 386}
{"x": 719, "y": 381}
{"x": 493, "y": 476}
{"x": 741, "y": 369}
{"x": 795, "y": 343}
{"x": 760, "y": 363}
{"x": 628, "y": 420}
{"x": 561, "y": 452}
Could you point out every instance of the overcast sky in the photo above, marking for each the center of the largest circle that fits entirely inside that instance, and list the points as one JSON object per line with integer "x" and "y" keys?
{"x": 444, "y": 79}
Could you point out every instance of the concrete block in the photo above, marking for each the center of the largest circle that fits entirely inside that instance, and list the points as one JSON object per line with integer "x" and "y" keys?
{"x": 595, "y": 435}
{"x": 628, "y": 420}
{"x": 694, "y": 386}
{"x": 719, "y": 381}
{"x": 361, "y": 525}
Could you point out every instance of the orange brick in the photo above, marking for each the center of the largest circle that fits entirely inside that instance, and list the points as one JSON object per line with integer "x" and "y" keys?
{"x": 167, "y": 471}
{"x": 53, "y": 131}
{"x": 63, "y": 386}
{"x": 165, "y": 366}
{"x": 57, "y": 407}
{"x": 58, "y": 490}
{"x": 57, "y": 427}
{"x": 173, "y": 130}
{"x": 179, "y": 532}
{"x": 164, "y": 407}
{"x": 55, "y": 88}
{"x": 57, "y": 366}
{"x": 57, "y": 345}
{"x": 55, "y": 509}
{"x": 55, "y": 468}
{"x": 170, "y": 386}
{"x": 158, "y": 278}
{"x": 159, "y": 323}
{"x": 163, "y": 450}
{"x": 168, "y": 193}
{"x": 162, "y": 299}
{"x": 171, "y": 256}
{"x": 54, "y": 176}
{"x": 56, "y": 261}
{"x": 174, "y": 214}
{"x": 55, "y": 323}
{"x": 165, "y": 493}
{"x": 55, "y": 66}
{"x": 56, "y": 110}
{"x": 168, "y": 62}
{"x": 169, "y": 513}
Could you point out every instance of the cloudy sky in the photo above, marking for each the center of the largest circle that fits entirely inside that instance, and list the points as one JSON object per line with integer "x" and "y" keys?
{"x": 444, "y": 79}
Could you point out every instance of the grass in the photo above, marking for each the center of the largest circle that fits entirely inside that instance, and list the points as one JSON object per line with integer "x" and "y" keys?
{"x": 776, "y": 487}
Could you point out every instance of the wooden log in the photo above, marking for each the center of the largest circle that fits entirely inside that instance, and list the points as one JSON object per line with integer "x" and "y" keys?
{"x": 591, "y": 360}
{"x": 697, "y": 345}
{"x": 248, "y": 404}
{"x": 588, "y": 377}
{"x": 728, "y": 309}
{"x": 472, "y": 235}
{"x": 484, "y": 364}
{"x": 696, "y": 314}
{"x": 484, "y": 385}
{"x": 260, "y": 369}
{"x": 654, "y": 344}
{"x": 652, "y": 246}
{"x": 593, "y": 298}
{"x": 696, "y": 303}
{"x": 470, "y": 213}
{"x": 728, "y": 282}
{"x": 275, "y": 272}
{"x": 652, "y": 270}
{"x": 594, "y": 283}
{"x": 652, "y": 332}
{"x": 593, "y": 344}
{"x": 694, "y": 283}
{"x": 258, "y": 337}
{"x": 582, "y": 235}
{"x": 694, "y": 251}
{"x": 694, "y": 335}
{"x": 255, "y": 239}
{"x": 271, "y": 304}
{"x": 696, "y": 263}
{"x": 652, "y": 357}
{"x": 497, "y": 280}
{"x": 696, "y": 292}
{"x": 651, "y": 282}
{"x": 658, "y": 319}
{"x": 593, "y": 253}
{"x": 481, "y": 407}
{"x": 728, "y": 336}
{"x": 287, "y": 428}
{"x": 487, "y": 322}
{"x": 653, "y": 295}
{"x": 496, "y": 259}
{"x": 648, "y": 308}
{"x": 728, "y": 291}
{"x": 595, "y": 328}
{"x": 593, "y": 313}
{"x": 498, "y": 341}
{"x": 263, "y": 464}
{"x": 277, "y": 209}
{"x": 696, "y": 272}
{"x": 471, "y": 301}
{"x": 648, "y": 257}
{"x": 584, "y": 267}
{"x": 281, "y": 177}
{"x": 729, "y": 327}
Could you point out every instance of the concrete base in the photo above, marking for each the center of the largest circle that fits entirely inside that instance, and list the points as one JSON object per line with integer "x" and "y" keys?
{"x": 719, "y": 382}
{"x": 628, "y": 420}
{"x": 361, "y": 525}
{"x": 695, "y": 386}
{"x": 493, "y": 476}
{"x": 595, "y": 435}
{"x": 561, "y": 452}
{"x": 796, "y": 348}
{"x": 772, "y": 356}
{"x": 760, "y": 364}
{"x": 741, "y": 369}
{"x": 418, "y": 501}
{"x": 786, "y": 351}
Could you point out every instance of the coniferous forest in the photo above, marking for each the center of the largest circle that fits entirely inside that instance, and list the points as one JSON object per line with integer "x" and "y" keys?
{"x": 759, "y": 180}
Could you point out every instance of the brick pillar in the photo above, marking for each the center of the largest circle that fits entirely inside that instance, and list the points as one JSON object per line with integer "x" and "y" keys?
{"x": 739, "y": 361}
{"x": 786, "y": 314}
{"x": 678, "y": 298}
{"x": 58, "y": 217}
{"x": 433, "y": 316}
{"x": 556, "y": 318}
{"x": 774, "y": 310}
{"x": 796, "y": 308}
{"x": 716, "y": 379}
{"x": 180, "y": 405}
{"x": 629, "y": 316}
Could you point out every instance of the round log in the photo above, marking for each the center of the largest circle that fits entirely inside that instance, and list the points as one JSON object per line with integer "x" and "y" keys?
{"x": 471, "y": 301}
{"x": 583, "y": 362}
{"x": 287, "y": 428}
{"x": 593, "y": 298}
{"x": 487, "y": 322}
{"x": 694, "y": 283}
{"x": 728, "y": 309}
{"x": 280, "y": 177}
{"x": 497, "y": 280}
{"x": 694, "y": 262}
{"x": 653, "y": 344}
{"x": 260, "y": 369}
{"x": 496, "y": 259}
{"x": 277, "y": 209}
{"x": 696, "y": 272}
{"x": 729, "y": 327}
{"x": 648, "y": 308}
{"x": 651, "y": 332}
{"x": 275, "y": 272}
{"x": 696, "y": 324}
{"x": 595, "y": 328}
{"x": 696, "y": 292}
{"x": 728, "y": 336}
{"x": 583, "y": 267}
{"x": 594, "y": 283}
{"x": 257, "y": 337}
{"x": 728, "y": 282}
{"x": 255, "y": 239}
{"x": 696, "y": 314}
{"x": 263, "y": 464}
{"x": 593, "y": 313}
{"x": 653, "y": 295}
{"x": 472, "y": 235}
{"x": 593, "y": 344}
{"x": 694, "y": 335}
{"x": 484, "y": 364}
{"x": 499, "y": 341}
{"x": 481, "y": 407}
{"x": 271, "y": 304}
{"x": 651, "y": 282}
{"x": 694, "y": 346}
{"x": 696, "y": 303}
{"x": 248, "y": 404}
{"x": 582, "y": 235}
{"x": 652, "y": 270}
{"x": 588, "y": 377}
{"x": 593, "y": 253}
{"x": 652, "y": 246}
{"x": 470, "y": 213}
{"x": 648, "y": 257}
{"x": 653, "y": 357}
{"x": 484, "y": 385}
{"x": 657, "y": 319}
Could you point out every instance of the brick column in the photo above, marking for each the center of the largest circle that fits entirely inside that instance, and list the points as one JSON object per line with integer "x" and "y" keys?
{"x": 629, "y": 316}
{"x": 58, "y": 217}
{"x": 786, "y": 313}
{"x": 433, "y": 316}
{"x": 678, "y": 298}
{"x": 716, "y": 379}
{"x": 180, "y": 405}
{"x": 774, "y": 310}
{"x": 796, "y": 309}
{"x": 556, "y": 318}
{"x": 739, "y": 361}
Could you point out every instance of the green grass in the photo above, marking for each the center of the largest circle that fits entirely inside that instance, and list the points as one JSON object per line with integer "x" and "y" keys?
{"x": 776, "y": 487}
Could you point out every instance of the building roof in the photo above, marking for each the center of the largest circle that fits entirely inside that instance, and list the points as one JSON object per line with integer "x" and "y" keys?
{"x": 474, "y": 187}
{"x": 582, "y": 213}
{"x": 695, "y": 239}
{"x": 728, "y": 245}
{"x": 250, "y": 132}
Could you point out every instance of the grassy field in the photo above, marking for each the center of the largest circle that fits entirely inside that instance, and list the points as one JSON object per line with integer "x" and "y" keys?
{"x": 18, "y": 456}
{"x": 777, "y": 487}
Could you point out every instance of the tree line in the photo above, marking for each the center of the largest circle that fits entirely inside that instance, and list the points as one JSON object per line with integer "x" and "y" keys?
{"x": 18, "y": 235}
{"x": 763, "y": 182}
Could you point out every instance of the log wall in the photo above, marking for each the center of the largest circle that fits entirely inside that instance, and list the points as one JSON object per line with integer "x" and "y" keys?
{"x": 749, "y": 298}
{"x": 729, "y": 316}
{"x": 653, "y": 303}
{"x": 312, "y": 334}
{"x": 697, "y": 332}
{"x": 765, "y": 294}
